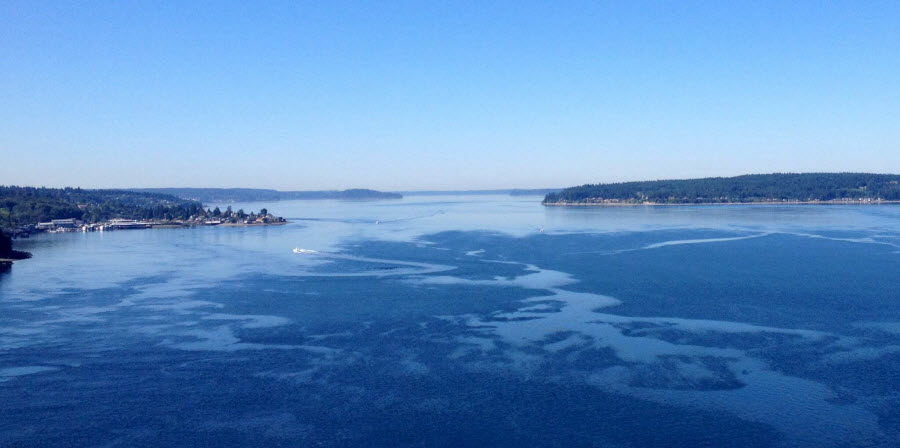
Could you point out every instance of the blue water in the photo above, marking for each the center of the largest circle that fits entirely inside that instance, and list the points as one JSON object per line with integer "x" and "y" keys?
{"x": 455, "y": 322}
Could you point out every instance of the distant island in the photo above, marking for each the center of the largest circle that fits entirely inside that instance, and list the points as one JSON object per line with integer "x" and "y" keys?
{"x": 27, "y": 210}
{"x": 778, "y": 188}
{"x": 207, "y": 195}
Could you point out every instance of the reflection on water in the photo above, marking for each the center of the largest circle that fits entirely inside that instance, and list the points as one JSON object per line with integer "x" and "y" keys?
{"x": 437, "y": 320}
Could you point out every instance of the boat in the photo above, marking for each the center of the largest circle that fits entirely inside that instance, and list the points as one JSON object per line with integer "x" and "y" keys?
{"x": 298, "y": 250}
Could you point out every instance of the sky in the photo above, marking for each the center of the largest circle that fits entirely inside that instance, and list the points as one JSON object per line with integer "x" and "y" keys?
{"x": 432, "y": 95}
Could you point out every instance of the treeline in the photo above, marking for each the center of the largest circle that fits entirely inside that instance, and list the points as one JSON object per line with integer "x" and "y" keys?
{"x": 240, "y": 216}
{"x": 29, "y": 205}
{"x": 739, "y": 189}
{"x": 207, "y": 195}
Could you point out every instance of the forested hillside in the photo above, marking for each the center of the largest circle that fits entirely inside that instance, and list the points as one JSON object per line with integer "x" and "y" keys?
{"x": 30, "y": 205}
{"x": 779, "y": 187}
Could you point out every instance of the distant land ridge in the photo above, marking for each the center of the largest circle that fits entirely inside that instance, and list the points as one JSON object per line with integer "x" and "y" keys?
{"x": 207, "y": 195}
{"x": 838, "y": 188}
{"x": 507, "y": 191}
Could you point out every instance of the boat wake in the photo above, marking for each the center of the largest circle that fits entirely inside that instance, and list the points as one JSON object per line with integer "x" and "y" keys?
{"x": 405, "y": 267}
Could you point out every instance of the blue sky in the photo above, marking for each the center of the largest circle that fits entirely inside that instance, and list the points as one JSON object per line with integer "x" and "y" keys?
{"x": 442, "y": 95}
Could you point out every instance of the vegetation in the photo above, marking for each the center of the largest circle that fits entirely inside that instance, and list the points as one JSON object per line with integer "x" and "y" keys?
{"x": 779, "y": 187}
{"x": 253, "y": 194}
{"x": 29, "y": 205}
{"x": 238, "y": 217}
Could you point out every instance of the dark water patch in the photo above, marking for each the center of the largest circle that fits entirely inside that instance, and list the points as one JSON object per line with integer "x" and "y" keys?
{"x": 777, "y": 280}
{"x": 760, "y": 340}
{"x": 191, "y": 398}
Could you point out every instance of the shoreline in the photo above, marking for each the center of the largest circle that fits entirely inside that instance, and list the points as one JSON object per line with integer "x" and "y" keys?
{"x": 658, "y": 204}
{"x": 149, "y": 226}
{"x": 255, "y": 224}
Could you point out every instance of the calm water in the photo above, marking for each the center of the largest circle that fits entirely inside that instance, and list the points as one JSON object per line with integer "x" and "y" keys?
{"x": 455, "y": 322}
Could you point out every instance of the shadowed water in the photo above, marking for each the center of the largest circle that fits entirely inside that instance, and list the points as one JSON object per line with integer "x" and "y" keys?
{"x": 455, "y": 321}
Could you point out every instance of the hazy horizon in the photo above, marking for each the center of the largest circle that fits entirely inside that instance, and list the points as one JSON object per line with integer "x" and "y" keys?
{"x": 419, "y": 190}
{"x": 466, "y": 96}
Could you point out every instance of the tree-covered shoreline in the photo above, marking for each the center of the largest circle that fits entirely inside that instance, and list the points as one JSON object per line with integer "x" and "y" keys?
{"x": 21, "y": 208}
{"x": 751, "y": 188}
{"x": 29, "y": 205}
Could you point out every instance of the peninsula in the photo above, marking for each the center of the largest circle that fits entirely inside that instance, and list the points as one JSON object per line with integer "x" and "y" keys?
{"x": 778, "y": 188}
{"x": 27, "y": 210}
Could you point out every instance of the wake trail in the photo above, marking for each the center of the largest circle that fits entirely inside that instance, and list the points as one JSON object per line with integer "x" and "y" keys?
{"x": 409, "y": 267}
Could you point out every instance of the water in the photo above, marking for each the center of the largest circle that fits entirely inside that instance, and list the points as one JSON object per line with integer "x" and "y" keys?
{"x": 455, "y": 322}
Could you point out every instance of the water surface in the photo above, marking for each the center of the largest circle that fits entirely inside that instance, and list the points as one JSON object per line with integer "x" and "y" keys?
{"x": 455, "y": 321}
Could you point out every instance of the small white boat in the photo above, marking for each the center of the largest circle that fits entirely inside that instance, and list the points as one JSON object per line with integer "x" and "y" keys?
{"x": 298, "y": 250}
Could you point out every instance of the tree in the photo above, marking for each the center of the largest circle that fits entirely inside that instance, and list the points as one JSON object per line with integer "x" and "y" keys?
{"x": 216, "y": 212}
{"x": 263, "y": 212}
